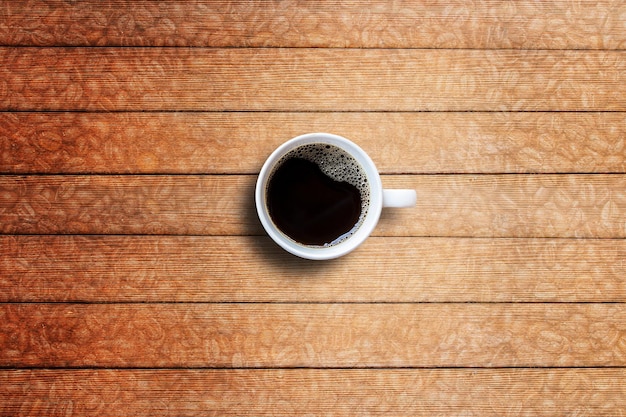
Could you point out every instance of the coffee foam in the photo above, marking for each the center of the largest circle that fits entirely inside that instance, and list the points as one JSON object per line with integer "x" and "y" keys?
{"x": 338, "y": 165}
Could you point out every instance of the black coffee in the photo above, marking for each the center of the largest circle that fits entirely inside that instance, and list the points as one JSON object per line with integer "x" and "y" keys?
{"x": 317, "y": 195}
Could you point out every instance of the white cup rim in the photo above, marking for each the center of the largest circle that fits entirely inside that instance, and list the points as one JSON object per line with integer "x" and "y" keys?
{"x": 366, "y": 227}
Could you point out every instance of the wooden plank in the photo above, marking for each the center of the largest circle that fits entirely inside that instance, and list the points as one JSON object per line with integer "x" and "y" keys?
{"x": 128, "y": 204}
{"x": 312, "y": 335}
{"x": 448, "y": 205}
{"x": 294, "y": 392}
{"x": 152, "y": 79}
{"x": 254, "y": 269}
{"x": 236, "y": 143}
{"x": 580, "y": 206}
{"x": 398, "y": 24}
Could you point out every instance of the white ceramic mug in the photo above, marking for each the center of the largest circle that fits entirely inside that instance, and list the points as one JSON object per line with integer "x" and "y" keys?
{"x": 378, "y": 198}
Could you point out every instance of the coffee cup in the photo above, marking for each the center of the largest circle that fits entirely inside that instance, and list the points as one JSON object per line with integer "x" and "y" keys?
{"x": 319, "y": 196}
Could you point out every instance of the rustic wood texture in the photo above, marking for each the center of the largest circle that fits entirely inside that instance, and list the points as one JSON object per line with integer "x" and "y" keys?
{"x": 254, "y": 269}
{"x": 216, "y": 143}
{"x": 399, "y": 24}
{"x": 177, "y": 335}
{"x": 135, "y": 278}
{"x": 289, "y": 392}
{"x": 123, "y": 79}
{"x": 589, "y": 205}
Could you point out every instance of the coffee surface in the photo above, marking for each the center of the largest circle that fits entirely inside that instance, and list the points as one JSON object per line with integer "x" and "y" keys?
{"x": 317, "y": 195}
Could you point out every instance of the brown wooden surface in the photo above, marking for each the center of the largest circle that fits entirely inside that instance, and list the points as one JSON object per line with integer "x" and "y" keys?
{"x": 580, "y": 205}
{"x": 253, "y": 269}
{"x": 230, "y": 143}
{"x": 400, "y": 24}
{"x": 288, "y": 392}
{"x": 277, "y": 335}
{"x": 135, "y": 278}
{"x": 310, "y": 79}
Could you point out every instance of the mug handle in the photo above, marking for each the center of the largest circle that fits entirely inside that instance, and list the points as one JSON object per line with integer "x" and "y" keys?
{"x": 399, "y": 198}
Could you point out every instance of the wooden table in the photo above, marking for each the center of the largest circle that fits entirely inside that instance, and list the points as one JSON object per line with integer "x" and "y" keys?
{"x": 135, "y": 278}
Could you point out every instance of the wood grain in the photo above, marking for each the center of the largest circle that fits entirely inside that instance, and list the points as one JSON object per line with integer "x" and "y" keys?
{"x": 398, "y": 24}
{"x": 287, "y": 79}
{"x": 312, "y": 335}
{"x": 236, "y": 143}
{"x": 128, "y": 204}
{"x": 289, "y": 392}
{"x": 591, "y": 206}
{"x": 581, "y": 206}
{"x": 254, "y": 269}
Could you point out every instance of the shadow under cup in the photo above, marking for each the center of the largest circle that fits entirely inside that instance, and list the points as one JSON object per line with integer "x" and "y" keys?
{"x": 319, "y": 196}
